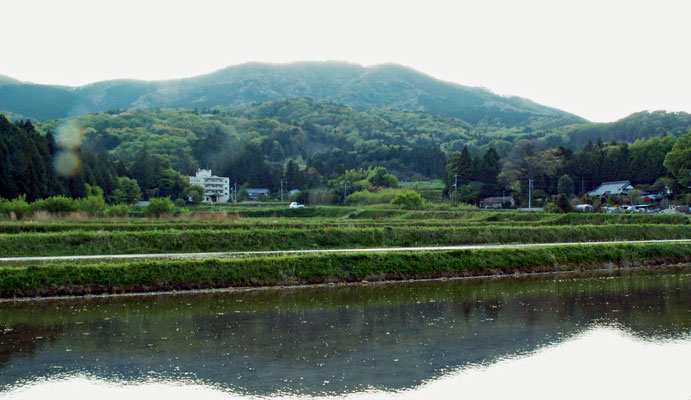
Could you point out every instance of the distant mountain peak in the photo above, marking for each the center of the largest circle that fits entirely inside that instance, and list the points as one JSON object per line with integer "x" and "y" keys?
{"x": 382, "y": 86}
{"x": 7, "y": 79}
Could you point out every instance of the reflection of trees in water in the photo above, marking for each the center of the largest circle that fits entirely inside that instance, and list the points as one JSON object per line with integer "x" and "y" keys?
{"x": 24, "y": 339}
{"x": 389, "y": 336}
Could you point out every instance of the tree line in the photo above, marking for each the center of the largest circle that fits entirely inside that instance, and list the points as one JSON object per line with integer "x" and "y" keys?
{"x": 29, "y": 161}
{"x": 657, "y": 164}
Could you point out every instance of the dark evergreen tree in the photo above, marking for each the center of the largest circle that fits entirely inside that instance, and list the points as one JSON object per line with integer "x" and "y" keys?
{"x": 464, "y": 168}
{"x": 294, "y": 176}
{"x": 147, "y": 169}
{"x": 565, "y": 186}
{"x": 490, "y": 168}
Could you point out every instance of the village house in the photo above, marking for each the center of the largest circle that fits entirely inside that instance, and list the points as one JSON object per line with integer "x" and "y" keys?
{"x": 611, "y": 188}
{"x": 497, "y": 202}
{"x": 257, "y": 194}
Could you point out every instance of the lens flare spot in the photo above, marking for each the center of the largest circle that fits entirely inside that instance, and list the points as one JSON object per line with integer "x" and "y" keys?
{"x": 68, "y": 164}
{"x": 69, "y": 135}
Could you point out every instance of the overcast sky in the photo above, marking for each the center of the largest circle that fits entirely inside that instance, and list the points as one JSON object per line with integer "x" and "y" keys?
{"x": 599, "y": 59}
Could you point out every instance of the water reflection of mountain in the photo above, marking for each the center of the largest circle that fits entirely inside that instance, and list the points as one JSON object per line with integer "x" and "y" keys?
{"x": 334, "y": 340}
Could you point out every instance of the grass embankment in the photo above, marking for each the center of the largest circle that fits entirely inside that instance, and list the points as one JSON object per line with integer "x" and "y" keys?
{"x": 133, "y": 225}
{"x": 285, "y": 212}
{"x": 170, "y": 241}
{"x": 359, "y": 218}
{"x": 61, "y": 279}
{"x": 517, "y": 217}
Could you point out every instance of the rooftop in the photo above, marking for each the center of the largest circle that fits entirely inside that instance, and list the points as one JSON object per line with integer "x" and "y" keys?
{"x": 617, "y": 187}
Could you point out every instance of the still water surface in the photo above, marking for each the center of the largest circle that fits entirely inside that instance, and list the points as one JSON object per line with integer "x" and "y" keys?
{"x": 588, "y": 337}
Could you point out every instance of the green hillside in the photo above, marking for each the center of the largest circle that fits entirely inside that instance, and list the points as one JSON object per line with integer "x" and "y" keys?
{"x": 302, "y": 128}
{"x": 362, "y": 88}
{"x": 641, "y": 125}
{"x": 295, "y": 129}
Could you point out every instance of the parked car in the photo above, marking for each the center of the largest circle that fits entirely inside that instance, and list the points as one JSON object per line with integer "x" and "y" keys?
{"x": 295, "y": 205}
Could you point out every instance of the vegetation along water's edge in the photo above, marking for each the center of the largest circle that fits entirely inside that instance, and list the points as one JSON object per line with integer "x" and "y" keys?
{"x": 84, "y": 279}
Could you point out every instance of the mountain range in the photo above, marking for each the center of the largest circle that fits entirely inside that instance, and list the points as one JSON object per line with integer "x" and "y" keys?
{"x": 386, "y": 86}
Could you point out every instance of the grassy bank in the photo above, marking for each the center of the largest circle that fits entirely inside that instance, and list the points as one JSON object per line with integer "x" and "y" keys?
{"x": 168, "y": 241}
{"x": 162, "y": 225}
{"x": 371, "y": 213}
{"x": 290, "y": 238}
{"x": 67, "y": 279}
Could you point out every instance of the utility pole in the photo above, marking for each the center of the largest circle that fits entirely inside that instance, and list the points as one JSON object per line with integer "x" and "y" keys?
{"x": 345, "y": 191}
{"x": 530, "y": 192}
{"x": 236, "y": 192}
{"x": 281, "y": 190}
{"x": 582, "y": 187}
{"x": 455, "y": 182}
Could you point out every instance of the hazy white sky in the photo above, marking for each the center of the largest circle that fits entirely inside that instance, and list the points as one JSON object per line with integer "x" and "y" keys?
{"x": 599, "y": 59}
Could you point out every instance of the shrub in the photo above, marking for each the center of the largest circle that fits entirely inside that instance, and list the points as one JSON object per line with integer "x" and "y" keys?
{"x": 409, "y": 200}
{"x": 56, "y": 205}
{"x": 320, "y": 196}
{"x": 465, "y": 206}
{"x": 552, "y": 208}
{"x": 92, "y": 205}
{"x": 17, "y": 207}
{"x": 563, "y": 203}
{"x": 383, "y": 196}
{"x": 159, "y": 206}
{"x": 195, "y": 193}
{"x": 118, "y": 210}
{"x": 558, "y": 204}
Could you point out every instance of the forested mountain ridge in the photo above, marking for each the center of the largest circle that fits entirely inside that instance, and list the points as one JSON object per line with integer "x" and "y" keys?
{"x": 362, "y": 88}
{"x": 284, "y": 129}
{"x": 301, "y": 128}
{"x": 640, "y": 125}
{"x": 317, "y": 144}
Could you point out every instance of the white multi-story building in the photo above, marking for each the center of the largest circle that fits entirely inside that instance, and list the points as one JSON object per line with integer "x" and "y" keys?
{"x": 216, "y": 188}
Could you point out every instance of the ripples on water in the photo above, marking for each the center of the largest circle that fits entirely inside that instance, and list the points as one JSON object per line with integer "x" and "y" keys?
{"x": 623, "y": 337}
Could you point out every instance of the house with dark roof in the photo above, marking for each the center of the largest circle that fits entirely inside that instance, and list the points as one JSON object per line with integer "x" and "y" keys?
{"x": 497, "y": 202}
{"x": 609, "y": 188}
{"x": 257, "y": 194}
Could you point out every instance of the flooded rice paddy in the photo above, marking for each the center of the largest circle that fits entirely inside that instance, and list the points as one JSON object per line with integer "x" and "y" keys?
{"x": 586, "y": 337}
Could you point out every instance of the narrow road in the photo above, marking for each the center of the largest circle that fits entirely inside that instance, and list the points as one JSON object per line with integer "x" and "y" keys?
{"x": 201, "y": 256}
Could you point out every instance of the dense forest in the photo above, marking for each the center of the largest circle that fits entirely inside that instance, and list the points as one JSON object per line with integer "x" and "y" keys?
{"x": 28, "y": 160}
{"x": 329, "y": 137}
{"x": 335, "y": 137}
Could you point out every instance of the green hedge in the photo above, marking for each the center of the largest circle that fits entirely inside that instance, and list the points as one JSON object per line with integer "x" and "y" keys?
{"x": 61, "y": 279}
{"x": 97, "y": 242}
{"x": 376, "y": 218}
